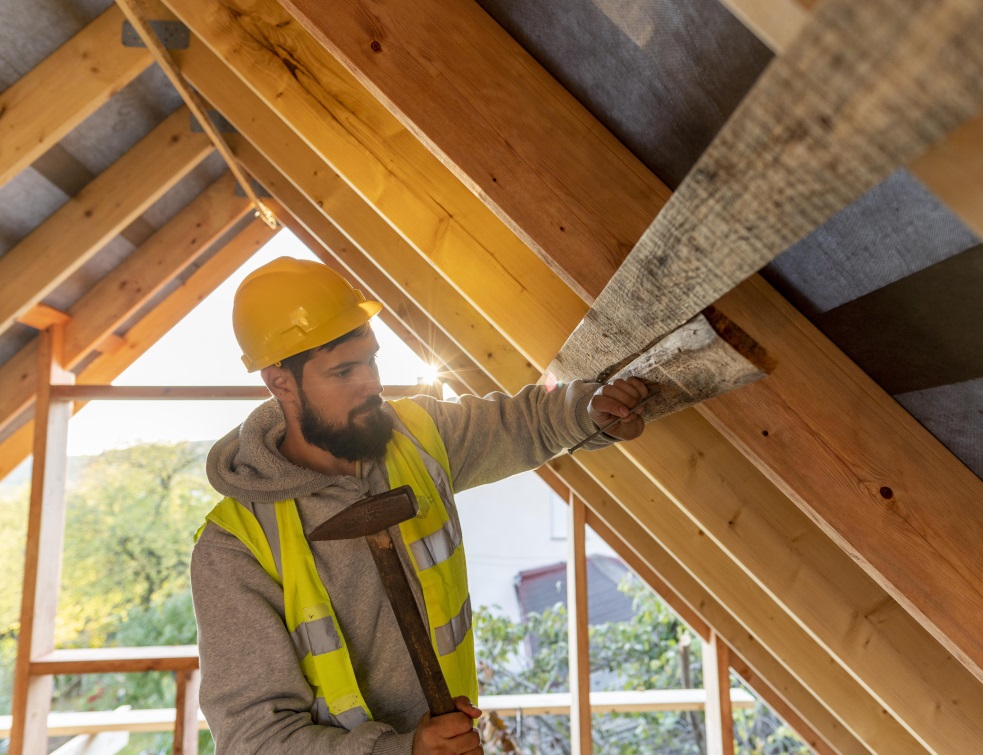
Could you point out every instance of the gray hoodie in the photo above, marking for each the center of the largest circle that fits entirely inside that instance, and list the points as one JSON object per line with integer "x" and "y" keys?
{"x": 253, "y": 692}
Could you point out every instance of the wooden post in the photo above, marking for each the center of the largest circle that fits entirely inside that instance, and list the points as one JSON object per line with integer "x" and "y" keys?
{"x": 578, "y": 640}
{"x": 716, "y": 682}
{"x": 42, "y": 558}
{"x": 186, "y": 712}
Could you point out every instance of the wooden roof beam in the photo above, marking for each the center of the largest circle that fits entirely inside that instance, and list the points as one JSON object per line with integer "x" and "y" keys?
{"x": 41, "y": 107}
{"x": 126, "y": 288}
{"x": 438, "y": 217}
{"x": 145, "y": 333}
{"x": 952, "y": 168}
{"x": 786, "y": 685}
{"x": 952, "y": 20}
{"x": 301, "y": 170}
{"x": 38, "y": 264}
{"x": 694, "y": 451}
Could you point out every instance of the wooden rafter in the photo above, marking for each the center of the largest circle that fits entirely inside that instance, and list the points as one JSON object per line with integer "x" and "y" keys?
{"x": 708, "y": 437}
{"x": 766, "y": 665}
{"x": 153, "y": 326}
{"x": 348, "y": 129}
{"x": 128, "y": 287}
{"x": 64, "y": 89}
{"x": 74, "y": 233}
{"x": 790, "y": 688}
{"x": 957, "y": 22}
{"x": 952, "y": 168}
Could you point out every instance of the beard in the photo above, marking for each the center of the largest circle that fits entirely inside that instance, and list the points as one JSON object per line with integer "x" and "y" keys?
{"x": 364, "y": 436}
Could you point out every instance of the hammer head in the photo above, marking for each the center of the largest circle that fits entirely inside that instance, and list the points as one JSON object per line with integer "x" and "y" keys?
{"x": 369, "y": 515}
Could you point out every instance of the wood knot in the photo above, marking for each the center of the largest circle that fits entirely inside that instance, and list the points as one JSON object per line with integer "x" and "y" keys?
{"x": 886, "y": 492}
{"x": 375, "y": 46}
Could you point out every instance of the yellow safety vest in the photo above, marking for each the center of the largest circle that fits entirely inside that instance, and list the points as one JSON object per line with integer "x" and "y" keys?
{"x": 417, "y": 457}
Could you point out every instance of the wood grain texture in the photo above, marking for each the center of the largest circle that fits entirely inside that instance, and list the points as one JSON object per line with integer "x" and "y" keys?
{"x": 43, "y": 551}
{"x": 40, "y": 108}
{"x": 125, "y": 289}
{"x": 719, "y": 712}
{"x": 363, "y": 143}
{"x": 789, "y": 687}
{"x": 578, "y": 636}
{"x": 186, "y": 712}
{"x": 516, "y": 138}
{"x": 74, "y": 233}
{"x": 913, "y": 520}
{"x": 690, "y": 365}
{"x": 762, "y": 619}
{"x": 952, "y": 168}
{"x": 117, "y": 660}
{"x": 866, "y": 87}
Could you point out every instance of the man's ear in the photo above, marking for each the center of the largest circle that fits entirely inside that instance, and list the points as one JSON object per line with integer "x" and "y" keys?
{"x": 281, "y": 383}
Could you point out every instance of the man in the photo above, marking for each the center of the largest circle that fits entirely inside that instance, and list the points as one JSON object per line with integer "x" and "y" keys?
{"x": 300, "y": 651}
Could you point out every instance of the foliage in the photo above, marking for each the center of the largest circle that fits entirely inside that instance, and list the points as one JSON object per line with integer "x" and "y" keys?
{"x": 129, "y": 525}
{"x": 653, "y": 650}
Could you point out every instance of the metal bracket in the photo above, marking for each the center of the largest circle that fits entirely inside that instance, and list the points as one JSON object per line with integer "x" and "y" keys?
{"x": 172, "y": 34}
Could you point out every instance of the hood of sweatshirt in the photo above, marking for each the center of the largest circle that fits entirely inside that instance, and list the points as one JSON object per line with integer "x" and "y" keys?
{"x": 247, "y": 465}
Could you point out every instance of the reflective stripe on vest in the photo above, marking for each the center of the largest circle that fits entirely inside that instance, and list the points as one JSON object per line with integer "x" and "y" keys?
{"x": 415, "y": 457}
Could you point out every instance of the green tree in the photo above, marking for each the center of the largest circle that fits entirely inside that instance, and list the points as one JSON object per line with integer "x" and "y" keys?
{"x": 651, "y": 651}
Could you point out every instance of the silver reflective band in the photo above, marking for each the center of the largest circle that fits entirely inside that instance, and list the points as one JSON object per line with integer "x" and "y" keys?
{"x": 436, "y": 547}
{"x": 315, "y": 637}
{"x": 265, "y": 514}
{"x": 451, "y": 634}
{"x": 347, "y": 719}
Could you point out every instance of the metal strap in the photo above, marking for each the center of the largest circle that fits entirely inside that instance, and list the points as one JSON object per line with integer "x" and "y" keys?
{"x": 452, "y": 634}
{"x": 315, "y": 637}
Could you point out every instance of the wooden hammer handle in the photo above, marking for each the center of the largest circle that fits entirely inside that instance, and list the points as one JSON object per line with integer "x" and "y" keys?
{"x": 411, "y": 623}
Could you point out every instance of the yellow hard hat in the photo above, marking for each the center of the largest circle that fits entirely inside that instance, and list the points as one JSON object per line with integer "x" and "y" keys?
{"x": 288, "y": 306}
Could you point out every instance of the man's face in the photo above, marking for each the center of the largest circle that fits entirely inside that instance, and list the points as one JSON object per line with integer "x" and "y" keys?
{"x": 340, "y": 401}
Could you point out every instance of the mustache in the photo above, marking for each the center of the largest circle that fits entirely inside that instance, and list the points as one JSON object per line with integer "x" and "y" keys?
{"x": 371, "y": 404}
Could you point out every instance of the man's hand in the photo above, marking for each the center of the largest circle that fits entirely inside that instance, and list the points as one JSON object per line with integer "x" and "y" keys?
{"x": 616, "y": 400}
{"x": 450, "y": 734}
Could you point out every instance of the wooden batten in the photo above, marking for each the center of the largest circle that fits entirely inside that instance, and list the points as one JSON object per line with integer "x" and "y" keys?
{"x": 578, "y": 645}
{"x": 547, "y": 177}
{"x": 125, "y": 289}
{"x": 152, "y": 327}
{"x": 73, "y": 234}
{"x": 783, "y": 688}
{"x": 416, "y": 194}
{"x": 43, "y": 550}
{"x": 952, "y": 168}
{"x": 827, "y": 120}
{"x": 42, "y": 317}
{"x": 64, "y": 89}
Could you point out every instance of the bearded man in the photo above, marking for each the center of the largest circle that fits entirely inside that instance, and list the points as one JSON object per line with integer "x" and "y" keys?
{"x": 300, "y": 650}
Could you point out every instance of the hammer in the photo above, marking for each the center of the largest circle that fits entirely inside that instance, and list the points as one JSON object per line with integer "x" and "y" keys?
{"x": 371, "y": 517}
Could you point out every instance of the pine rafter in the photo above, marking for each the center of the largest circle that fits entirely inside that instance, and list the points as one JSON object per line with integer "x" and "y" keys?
{"x": 121, "y": 293}
{"x": 80, "y": 228}
{"x": 64, "y": 89}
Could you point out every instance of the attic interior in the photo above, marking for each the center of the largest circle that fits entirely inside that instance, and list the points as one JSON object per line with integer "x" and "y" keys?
{"x": 485, "y": 169}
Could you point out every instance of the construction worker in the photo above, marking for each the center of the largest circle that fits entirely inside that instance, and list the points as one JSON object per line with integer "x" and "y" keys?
{"x": 300, "y": 651}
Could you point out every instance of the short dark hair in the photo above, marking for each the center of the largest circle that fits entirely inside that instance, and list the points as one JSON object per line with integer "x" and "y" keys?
{"x": 296, "y": 362}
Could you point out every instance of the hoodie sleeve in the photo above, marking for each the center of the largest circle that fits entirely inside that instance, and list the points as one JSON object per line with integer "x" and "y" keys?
{"x": 497, "y": 436}
{"x": 253, "y": 691}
